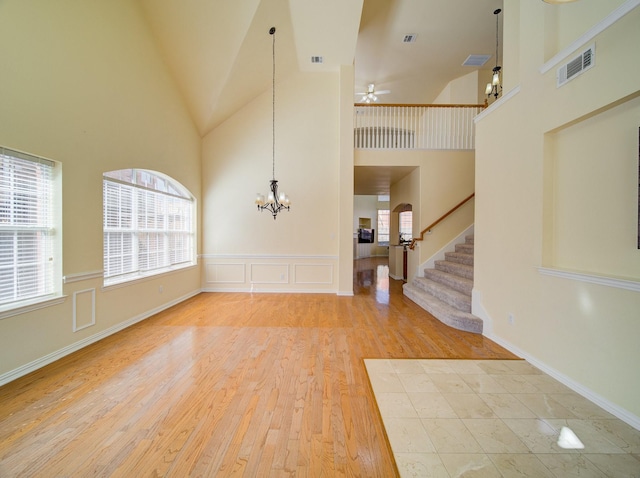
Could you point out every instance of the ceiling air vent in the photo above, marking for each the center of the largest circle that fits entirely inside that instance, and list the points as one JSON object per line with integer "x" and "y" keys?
{"x": 476, "y": 60}
{"x": 409, "y": 38}
{"x": 577, "y": 65}
{"x": 316, "y": 59}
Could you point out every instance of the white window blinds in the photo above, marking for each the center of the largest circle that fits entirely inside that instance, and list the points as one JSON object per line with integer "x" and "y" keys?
{"x": 383, "y": 226}
{"x": 406, "y": 225}
{"x": 148, "y": 225}
{"x": 26, "y": 227}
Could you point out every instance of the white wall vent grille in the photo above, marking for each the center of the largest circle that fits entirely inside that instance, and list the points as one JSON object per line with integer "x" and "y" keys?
{"x": 576, "y": 66}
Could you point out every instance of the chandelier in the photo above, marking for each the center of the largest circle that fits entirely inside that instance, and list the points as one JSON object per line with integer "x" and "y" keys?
{"x": 494, "y": 87}
{"x": 274, "y": 202}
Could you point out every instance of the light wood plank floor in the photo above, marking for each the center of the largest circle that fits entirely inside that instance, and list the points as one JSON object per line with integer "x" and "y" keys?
{"x": 228, "y": 384}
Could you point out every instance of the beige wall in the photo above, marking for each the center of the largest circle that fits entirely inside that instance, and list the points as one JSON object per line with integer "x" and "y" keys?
{"x": 247, "y": 250}
{"x": 83, "y": 84}
{"x": 468, "y": 89}
{"x": 556, "y": 186}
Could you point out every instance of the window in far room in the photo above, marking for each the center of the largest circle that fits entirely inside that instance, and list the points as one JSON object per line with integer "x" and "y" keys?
{"x": 406, "y": 226}
{"x": 148, "y": 225}
{"x": 383, "y": 227}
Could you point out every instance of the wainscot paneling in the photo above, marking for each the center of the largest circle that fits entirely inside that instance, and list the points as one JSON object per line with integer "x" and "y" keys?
{"x": 84, "y": 309}
{"x": 225, "y": 273}
{"x": 269, "y": 273}
{"x": 252, "y": 273}
{"x": 313, "y": 274}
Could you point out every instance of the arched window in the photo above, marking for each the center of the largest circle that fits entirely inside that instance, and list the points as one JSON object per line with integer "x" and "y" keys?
{"x": 148, "y": 222}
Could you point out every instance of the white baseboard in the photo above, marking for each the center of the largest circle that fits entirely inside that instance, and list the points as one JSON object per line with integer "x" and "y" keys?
{"x": 589, "y": 394}
{"x": 58, "y": 354}
{"x": 258, "y": 290}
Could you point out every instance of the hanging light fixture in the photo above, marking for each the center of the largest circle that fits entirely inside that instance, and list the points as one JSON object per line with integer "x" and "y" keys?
{"x": 495, "y": 87}
{"x": 274, "y": 202}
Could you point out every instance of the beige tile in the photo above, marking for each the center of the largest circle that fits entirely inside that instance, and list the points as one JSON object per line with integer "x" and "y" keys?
{"x": 495, "y": 367}
{"x": 483, "y": 383}
{"x": 593, "y": 438}
{"x": 484, "y": 417}
{"x": 538, "y": 435}
{"x": 385, "y": 382}
{"x": 520, "y": 465}
{"x": 618, "y": 466}
{"x": 436, "y": 366}
{"x": 378, "y": 366}
{"x": 543, "y": 405}
{"x": 406, "y": 366}
{"x": 431, "y": 405}
{"x": 494, "y": 436}
{"x": 466, "y": 367}
{"x": 450, "y": 435}
{"x": 420, "y": 465}
{"x": 547, "y": 384}
{"x": 570, "y": 465}
{"x": 395, "y": 405}
{"x": 449, "y": 383}
{"x": 469, "y": 405}
{"x": 476, "y": 465}
{"x": 617, "y": 432}
{"x": 408, "y": 435}
{"x": 505, "y": 405}
{"x": 417, "y": 382}
{"x": 515, "y": 384}
{"x": 522, "y": 367}
{"x": 580, "y": 406}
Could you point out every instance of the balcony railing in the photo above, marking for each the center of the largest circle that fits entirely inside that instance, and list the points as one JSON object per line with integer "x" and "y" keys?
{"x": 387, "y": 126}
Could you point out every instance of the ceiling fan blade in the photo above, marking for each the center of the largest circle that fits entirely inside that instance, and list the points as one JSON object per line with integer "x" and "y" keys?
{"x": 383, "y": 92}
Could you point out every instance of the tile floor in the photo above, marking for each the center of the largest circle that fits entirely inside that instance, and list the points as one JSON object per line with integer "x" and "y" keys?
{"x": 502, "y": 418}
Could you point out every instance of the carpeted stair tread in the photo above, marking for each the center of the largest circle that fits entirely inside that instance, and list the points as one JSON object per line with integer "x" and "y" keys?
{"x": 446, "y": 294}
{"x": 459, "y": 257}
{"x": 443, "y": 312}
{"x": 445, "y": 290}
{"x": 458, "y": 283}
{"x": 462, "y": 270}
{"x": 465, "y": 247}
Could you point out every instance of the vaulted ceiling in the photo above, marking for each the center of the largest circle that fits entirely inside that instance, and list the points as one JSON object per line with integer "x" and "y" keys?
{"x": 219, "y": 52}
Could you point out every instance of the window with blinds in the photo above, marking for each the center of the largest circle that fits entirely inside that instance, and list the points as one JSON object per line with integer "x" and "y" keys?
{"x": 383, "y": 226}
{"x": 27, "y": 240}
{"x": 148, "y": 225}
{"x": 406, "y": 225}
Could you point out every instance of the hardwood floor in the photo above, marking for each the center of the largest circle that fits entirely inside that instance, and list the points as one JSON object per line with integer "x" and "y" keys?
{"x": 228, "y": 384}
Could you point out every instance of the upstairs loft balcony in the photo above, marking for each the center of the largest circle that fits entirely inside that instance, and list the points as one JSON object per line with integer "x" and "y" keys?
{"x": 389, "y": 126}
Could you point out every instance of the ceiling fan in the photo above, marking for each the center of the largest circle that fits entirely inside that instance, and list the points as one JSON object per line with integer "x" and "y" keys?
{"x": 371, "y": 94}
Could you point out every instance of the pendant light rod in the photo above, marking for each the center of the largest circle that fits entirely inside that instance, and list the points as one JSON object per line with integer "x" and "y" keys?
{"x": 274, "y": 202}
{"x": 494, "y": 87}
{"x": 272, "y": 32}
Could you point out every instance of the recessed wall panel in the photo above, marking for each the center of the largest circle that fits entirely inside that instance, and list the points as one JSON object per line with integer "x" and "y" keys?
{"x": 270, "y": 273}
{"x": 313, "y": 274}
{"x": 84, "y": 309}
{"x": 225, "y": 273}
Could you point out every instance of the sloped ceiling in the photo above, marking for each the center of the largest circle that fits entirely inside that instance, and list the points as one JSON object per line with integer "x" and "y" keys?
{"x": 447, "y": 32}
{"x": 219, "y": 51}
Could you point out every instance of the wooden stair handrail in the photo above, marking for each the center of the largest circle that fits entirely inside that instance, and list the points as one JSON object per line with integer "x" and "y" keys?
{"x": 442, "y": 218}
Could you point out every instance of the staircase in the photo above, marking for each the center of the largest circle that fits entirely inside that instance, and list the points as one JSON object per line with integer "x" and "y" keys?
{"x": 445, "y": 292}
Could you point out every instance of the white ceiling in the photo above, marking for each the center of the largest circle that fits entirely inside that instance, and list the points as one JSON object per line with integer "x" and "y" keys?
{"x": 219, "y": 52}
